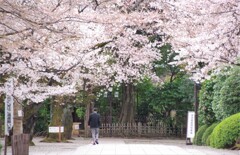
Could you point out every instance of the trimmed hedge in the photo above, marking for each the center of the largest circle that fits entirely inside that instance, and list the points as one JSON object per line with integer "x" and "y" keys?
{"x": 198, "y": 137}
{"x": 208, "y": 140}
{"x": 226, "y": 133}
{"x": 207, "y": 133}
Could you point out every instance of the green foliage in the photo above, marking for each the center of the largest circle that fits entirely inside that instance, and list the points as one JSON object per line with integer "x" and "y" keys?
{"x": 226, "y": 133}
{"x": 162, "y": 67}
{"x": 230, "y": 99}
{"x": 226, "y": 94}
{"x": 80, "y": 112}
{"x": 208, "y": 140}
{"x": 102, "y": 102}
{"x": 207, "y": 133}
{"x": 83, "y": 97}
{"x": 198, "y": 137}
{"x": 43, "y": 118}
{"x": 176, "y": 95}
{"x": 206, "y": 114}
{"x": 219, "y": 83}
{"x": 143, "y": 107}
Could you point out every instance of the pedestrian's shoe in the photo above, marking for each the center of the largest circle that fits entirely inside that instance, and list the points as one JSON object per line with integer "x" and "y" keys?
{"x": 96, "y": 142}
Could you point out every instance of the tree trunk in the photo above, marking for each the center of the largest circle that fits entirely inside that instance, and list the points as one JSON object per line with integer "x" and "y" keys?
{"x": 56, "y": 121}
{"x": 29, "y": 120}
{"x": 67, "y": 122}
{"x": 88, "y": 98}
{"x": 128, "y": 107}
{"x": 17, "y": 118}
{"x": 87, "y": 113}
{"x": 89, "y": 107}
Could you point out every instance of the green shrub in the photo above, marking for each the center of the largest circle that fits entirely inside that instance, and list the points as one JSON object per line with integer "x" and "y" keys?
{"x": 226, "y": 133}
{"x": 216, "y": 107}
{"x": 230, "y": 94}
{"x": 205, "y": 113}
{"x": 226, "y": 94}
{"x": 198, "y": 137}
{"x": 208, "y": 140}
{"x": 207, "y": 133}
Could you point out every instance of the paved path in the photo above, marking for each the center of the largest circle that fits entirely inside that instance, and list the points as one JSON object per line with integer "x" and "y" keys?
{"x": 117, "y": 146}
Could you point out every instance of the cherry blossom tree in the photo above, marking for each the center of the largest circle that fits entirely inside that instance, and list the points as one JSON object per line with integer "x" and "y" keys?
{"x": 50, "y": 47}
{"x": 53, "y": 39}
{"x": 206, "y": 34}
{"x": 37, "y": 45}
{"x": 53, "y": 45}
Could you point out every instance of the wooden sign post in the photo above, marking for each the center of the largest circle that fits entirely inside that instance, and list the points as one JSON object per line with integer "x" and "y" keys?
{"x": 56, "y": 129}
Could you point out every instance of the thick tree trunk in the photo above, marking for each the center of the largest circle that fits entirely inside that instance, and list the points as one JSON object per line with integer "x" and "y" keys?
{"x": 17, "y": 118}
{"x": 67, "y": 123}
{"x": 128, "y": 107}
{"x": 29, "y": 120}
{"x": 56, "y": 121}
{"x": 61, "y": 116}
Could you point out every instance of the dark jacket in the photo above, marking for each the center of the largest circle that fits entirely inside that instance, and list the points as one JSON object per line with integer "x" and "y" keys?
{"x": 94, "y": 120}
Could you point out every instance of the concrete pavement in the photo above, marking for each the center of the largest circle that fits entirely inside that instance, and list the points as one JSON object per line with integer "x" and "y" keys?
{"x": 118, "y": 146}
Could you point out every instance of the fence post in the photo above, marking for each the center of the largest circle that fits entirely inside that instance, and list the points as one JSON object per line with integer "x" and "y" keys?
{"x": 139, "y": 128}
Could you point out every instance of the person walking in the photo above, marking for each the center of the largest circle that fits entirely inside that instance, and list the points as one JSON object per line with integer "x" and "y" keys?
{"x": 94, "y": 123}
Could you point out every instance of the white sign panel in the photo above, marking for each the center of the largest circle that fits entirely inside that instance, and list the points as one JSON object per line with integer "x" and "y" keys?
{"x": 76, "y": 127}
{"x": 191, "y": 124}
{"x": 55, "y": 129}
{"x": 8, "y": 106}
{"x": 20, "y": 113}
